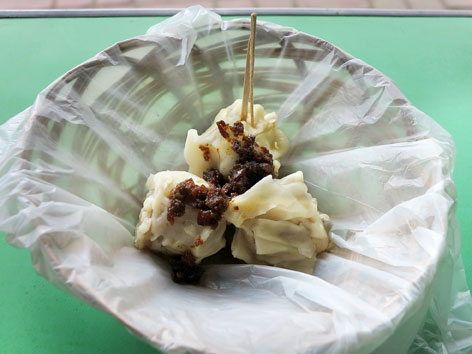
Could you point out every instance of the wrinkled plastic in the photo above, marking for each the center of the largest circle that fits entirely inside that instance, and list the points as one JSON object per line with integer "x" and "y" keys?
{"x": 74, "y": 165}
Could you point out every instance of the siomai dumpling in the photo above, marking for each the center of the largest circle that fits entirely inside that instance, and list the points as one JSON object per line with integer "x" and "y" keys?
{"x": 278, "y": 224}
{"x": 212, "y": 150}
{"x": 232, "y": 178}
{"x": 172, "y": 221}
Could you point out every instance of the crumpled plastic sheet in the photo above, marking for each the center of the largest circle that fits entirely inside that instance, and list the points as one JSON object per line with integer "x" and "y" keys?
{"x": 74, "y": 165}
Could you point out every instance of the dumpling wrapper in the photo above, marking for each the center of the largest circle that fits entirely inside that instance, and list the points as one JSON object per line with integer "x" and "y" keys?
{"x": 155, "y": 232}
{"x": 220, "y": 153}
{"x": 278, "y": 223}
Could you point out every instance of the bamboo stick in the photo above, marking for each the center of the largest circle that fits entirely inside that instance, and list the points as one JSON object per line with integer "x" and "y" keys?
{"x": 248, "y": 86}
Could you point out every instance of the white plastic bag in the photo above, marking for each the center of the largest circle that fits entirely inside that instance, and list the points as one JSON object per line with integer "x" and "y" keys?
{"x": 73, "y": 168}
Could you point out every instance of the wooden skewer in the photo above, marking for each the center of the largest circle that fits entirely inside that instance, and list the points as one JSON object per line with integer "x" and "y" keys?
{"x": 248, "y": 87}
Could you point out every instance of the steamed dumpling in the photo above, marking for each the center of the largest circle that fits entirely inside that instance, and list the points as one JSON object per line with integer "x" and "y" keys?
{"x": 278, "y": 223}
{"x": 155, "y": 232}
{"x": 211, "y": 150}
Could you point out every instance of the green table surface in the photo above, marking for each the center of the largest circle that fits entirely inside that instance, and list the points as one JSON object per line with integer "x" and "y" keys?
{"x": 428, "y": 58}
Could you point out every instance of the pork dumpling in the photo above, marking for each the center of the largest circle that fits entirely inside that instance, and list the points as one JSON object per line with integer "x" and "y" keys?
{"x": 156, "y": 232}
{"x": 278, "y": 223}
{"x": 212, "y": 150}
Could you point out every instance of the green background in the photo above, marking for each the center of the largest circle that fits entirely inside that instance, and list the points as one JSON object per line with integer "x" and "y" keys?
{"x": 430, "y": 59}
